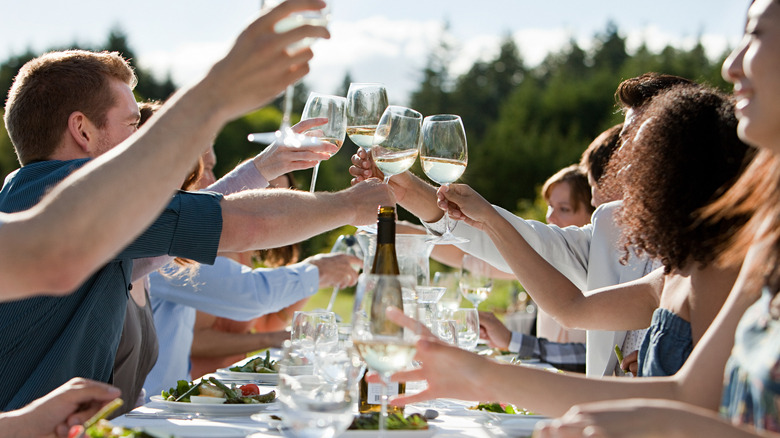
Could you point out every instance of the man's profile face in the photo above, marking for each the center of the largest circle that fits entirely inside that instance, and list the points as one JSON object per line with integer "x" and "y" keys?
{"x": 121, "y": 119}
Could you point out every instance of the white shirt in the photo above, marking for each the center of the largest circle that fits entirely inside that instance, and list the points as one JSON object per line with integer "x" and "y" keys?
{"x": 588, "y": 256}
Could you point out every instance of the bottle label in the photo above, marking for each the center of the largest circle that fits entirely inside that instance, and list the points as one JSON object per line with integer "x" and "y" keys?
{"x": 375, "y": 392}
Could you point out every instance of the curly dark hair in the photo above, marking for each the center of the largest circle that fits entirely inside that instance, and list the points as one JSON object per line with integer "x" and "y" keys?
{"x": 681, "y": 153}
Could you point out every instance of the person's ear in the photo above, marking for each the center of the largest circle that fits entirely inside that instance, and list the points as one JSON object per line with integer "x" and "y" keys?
{"x": 82, "y": 130}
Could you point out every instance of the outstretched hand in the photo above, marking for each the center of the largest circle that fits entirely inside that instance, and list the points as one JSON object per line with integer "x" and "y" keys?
{"x": 449, "y": 371}
{"x": 462, "y": 202}
{"x": 259, "y": 66}
{"x": 494, "y": 331}
{"x": 71, "y": 404}
{"x": 339, "y": 270}
{"x": 279, "y": 159}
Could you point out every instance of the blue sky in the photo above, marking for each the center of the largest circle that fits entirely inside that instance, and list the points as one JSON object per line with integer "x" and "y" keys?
{"x": 377, "y": 41}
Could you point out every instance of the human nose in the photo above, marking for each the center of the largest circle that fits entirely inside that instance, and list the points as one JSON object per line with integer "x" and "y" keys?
{"x": 733, "y": 65}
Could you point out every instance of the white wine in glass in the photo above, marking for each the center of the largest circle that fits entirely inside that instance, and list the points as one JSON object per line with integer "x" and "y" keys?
{"x": 335, "y": 130}
{"x": 397, "y": 140}
{"x": 444, "y": 156}
{"x": 366, "y": 102}
{"x": 475, "y": 280}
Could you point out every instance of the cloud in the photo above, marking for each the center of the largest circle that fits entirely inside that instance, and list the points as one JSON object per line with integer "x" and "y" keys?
{"x": 395, "y": 51}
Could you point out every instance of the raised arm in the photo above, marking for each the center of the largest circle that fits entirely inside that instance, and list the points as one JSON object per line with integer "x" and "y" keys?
{"x": 258, "y": 219}
{"x": 73, "y": 230}
{"x": 472, "y": 377}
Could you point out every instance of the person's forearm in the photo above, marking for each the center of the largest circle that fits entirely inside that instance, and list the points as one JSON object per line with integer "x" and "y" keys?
{"x": 553, "y": 394}
{"x": 259, "y": 219}
{"x": 13, "y": 425}
{"x": 214, "y": 343}
{"x": 623, "y": 307}
{"x": 419, "y": 197}
{"x": 153, "y": 162}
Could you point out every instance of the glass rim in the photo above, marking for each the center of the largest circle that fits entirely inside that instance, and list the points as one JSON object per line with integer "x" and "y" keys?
{"x": 403, "y": 111}
{"x": 442, "y": 118}
{"x": 318, "y": 94}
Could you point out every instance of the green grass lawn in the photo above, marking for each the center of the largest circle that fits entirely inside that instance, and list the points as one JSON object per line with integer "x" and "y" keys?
{"x": 497, "y": 302}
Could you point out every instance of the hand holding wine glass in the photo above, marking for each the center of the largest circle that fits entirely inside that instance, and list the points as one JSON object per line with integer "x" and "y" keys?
{"x": 319, "y": 17}
{"x": 444, "y": 156}
{"x": 396, "y": 140}
{"x": 334, "y": 109}
{"x": 366, "y": 102}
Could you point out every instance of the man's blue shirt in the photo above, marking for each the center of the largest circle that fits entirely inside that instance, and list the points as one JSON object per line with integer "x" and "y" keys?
{"x": 45, "y": 341}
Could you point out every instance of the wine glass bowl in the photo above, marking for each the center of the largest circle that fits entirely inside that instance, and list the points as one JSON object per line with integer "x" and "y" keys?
{"x": 334, "y": 130}
{"x": 366, "y": 102}
{"x": 466, "y": 322}
{"x": 450, "y": 300}
{"x": 444, "y": 156}
{"x": 475, "y": 280}
{"x": 396, "y": 140}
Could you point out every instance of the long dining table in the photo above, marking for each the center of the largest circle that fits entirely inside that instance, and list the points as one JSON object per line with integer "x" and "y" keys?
{"x": 454, "y": 419}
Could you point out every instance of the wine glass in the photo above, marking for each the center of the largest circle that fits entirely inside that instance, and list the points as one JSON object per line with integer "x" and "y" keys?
{"x": 444, "y": 156}
{"x": 334, "y": 109}
{"x": 319, "y": 403}
{"x": 396, "y": 140}
{"x": 365, "y": 104}
{"x": 285, "y": 134}
{"x": 450, "y": 300}
{"x": 427, "y": 298}
{"x": 475, "y": 280}
{"x": 466, "y": 323}
{"x": 385, "y": 346}
{"x": 345, "y": 244}
{"x": 313, "y": 330}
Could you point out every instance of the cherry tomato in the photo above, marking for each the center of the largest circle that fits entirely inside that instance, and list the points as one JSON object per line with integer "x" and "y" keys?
{"x": 76, "y": 431}
{"x": 250, "y": 389}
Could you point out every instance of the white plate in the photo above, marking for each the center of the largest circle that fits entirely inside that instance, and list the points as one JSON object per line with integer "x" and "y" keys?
{"x": 273, "y": 423}
{"x": 232, "y": 409}
{"x": 267, "y": 378}
{"x": 516, "y": 426}
{"x": 193, "y": 430}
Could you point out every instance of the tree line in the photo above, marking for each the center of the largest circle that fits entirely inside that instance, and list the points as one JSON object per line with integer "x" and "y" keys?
{"x": 523, "y": 123}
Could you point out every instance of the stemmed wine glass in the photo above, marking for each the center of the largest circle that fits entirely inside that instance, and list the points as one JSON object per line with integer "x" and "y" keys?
{"x": 450, "y": 300}
{"x": 397, "y": 140}
{"x": 366, "y": 102}
{"x": 334, "y": 109}
{"x": 475, "y": 280}
{"x": 444, "y": 156}
{"x": 285, "y": 134}
{"x": 320, "y": 401}
{"x": 385, "y": 346}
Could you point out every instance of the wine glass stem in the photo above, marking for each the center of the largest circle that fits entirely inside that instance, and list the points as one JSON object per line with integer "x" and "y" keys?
{"x": 287, "y": 107}
{"x": 314, "y": 177}
{"x": 383, "y": 405}
{"x": 387, "y": 179}
{"x": 447, "y": 229}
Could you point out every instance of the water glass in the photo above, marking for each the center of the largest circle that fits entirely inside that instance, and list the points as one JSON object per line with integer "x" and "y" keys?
{"x": 467, "y": 327}
{"x": 320, "y": 404}
{"x": 450, "y": 300}
{"x": 314, "y": 331}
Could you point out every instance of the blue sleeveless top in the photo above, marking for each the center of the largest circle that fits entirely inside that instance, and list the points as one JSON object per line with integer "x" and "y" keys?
{"x": 666, "y": 346}
{"x": 751, "y": 391}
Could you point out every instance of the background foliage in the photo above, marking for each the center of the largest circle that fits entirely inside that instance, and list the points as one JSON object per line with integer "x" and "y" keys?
{"x": 523, "y": 123}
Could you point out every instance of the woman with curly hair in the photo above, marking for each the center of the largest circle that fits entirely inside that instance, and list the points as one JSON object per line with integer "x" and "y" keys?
{"x": 680, "y": 152}
{"x": 701, "y": 156}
